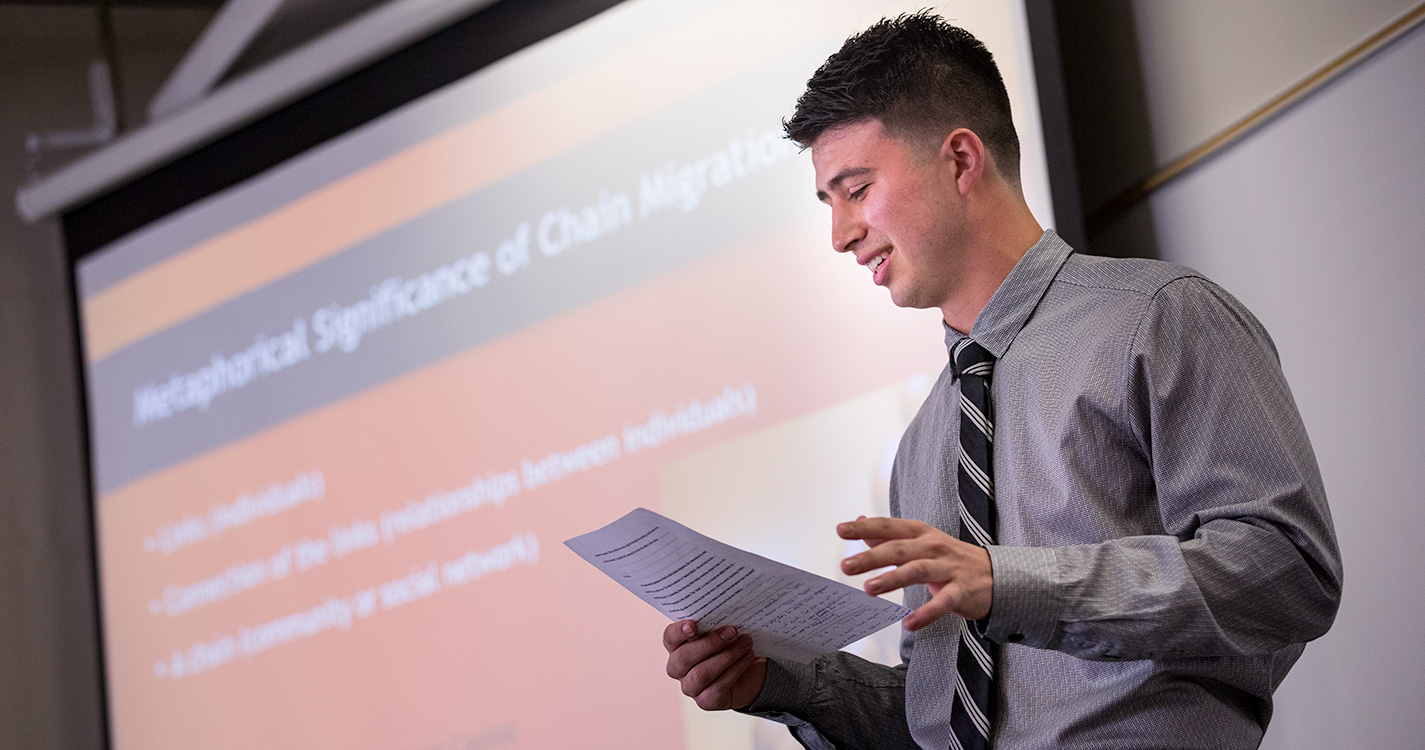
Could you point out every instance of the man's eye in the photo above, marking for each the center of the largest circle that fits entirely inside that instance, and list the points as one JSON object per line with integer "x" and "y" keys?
{"x": 859, "y": 192}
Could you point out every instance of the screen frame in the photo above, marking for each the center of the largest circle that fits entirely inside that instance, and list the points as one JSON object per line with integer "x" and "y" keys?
{"x": 460, "y": 49}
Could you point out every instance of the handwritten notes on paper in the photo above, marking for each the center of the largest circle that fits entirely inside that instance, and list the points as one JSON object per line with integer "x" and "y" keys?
{"x": 790, "y": 613}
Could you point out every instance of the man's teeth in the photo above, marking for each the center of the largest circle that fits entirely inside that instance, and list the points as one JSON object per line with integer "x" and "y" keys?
{"x": 877, "y": 261}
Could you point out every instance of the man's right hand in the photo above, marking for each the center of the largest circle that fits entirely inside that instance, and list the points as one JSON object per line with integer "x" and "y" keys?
{"x": 717, "y": 670}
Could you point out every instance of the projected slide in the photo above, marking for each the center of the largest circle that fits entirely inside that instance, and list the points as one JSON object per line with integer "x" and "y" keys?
{"x": 343, "y": 414}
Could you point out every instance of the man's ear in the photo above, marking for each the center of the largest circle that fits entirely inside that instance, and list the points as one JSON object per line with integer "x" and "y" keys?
{"x": 964, "y": 154}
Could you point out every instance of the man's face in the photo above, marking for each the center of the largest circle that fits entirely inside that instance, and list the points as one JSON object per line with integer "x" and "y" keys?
{"x": 895, "y": 206}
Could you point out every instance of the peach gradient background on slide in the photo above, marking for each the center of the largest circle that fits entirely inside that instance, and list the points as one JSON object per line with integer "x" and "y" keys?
{"x": 552, "y": 651}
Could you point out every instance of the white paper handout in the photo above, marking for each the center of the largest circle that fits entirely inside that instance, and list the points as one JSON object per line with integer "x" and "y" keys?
{"x": 790, "y": 613}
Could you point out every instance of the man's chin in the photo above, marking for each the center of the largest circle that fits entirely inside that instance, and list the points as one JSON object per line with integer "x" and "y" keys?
{"x": 902, "y": 297}
{"x": 898, "y": 295}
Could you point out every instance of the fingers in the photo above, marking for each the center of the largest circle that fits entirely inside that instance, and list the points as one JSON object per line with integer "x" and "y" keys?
{"x": 722, "y": 693}
{"x": 964, "y": 586}
{"x": 683, "y": 659}
{"x": 914, "y": 571}
{"x": 960, "y": 575}
{"x": 678, "y": 633}
{"x": 938, "y": 606}
{"x": 870, "y": 541}
{"x": 710, "y": 680}
{"x": 900, "y": 552}
{"x": 881, "y": 528}
{"x": 707, "y": 672}
{"x": 713, "y": 668}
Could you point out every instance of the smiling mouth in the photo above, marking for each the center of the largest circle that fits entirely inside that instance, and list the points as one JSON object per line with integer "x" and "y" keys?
{"x": 877, "y": 261}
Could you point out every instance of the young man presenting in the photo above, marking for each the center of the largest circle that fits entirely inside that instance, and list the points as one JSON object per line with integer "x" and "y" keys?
{"x": 1110, "y": 522}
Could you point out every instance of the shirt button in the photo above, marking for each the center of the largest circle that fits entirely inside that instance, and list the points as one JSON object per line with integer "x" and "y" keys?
{"x": 1014, "y": 637}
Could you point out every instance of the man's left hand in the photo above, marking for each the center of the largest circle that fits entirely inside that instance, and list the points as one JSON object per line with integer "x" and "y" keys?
{"x": 958, "y": 574}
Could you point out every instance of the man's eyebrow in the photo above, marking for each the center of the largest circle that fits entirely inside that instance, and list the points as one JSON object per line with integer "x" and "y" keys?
{"x": 841, "y": 177}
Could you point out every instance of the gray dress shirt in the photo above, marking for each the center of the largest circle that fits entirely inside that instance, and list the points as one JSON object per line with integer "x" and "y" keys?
{"x": 1165, "y": 550}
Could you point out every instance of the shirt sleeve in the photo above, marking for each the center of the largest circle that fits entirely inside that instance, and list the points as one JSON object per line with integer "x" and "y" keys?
{"x": 839, "y": 701}
{"x": 1247, "y": 563}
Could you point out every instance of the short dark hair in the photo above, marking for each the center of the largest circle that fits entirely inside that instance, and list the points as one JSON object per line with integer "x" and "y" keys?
{"x": 920, "y": 76}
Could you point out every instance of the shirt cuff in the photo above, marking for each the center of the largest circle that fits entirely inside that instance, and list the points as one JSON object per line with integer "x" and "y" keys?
{"x": 1025, "y": 608}
{"x": 788, "y": 687}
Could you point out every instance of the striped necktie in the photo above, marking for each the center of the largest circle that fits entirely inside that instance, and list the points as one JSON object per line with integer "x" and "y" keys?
{"x": 973, "y": 704}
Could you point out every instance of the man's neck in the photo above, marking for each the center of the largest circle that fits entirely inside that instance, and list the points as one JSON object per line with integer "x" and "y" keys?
{"x": 997, "y": 252}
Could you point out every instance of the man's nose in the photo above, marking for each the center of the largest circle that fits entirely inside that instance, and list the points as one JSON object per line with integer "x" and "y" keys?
{"x": 846, "y": 230}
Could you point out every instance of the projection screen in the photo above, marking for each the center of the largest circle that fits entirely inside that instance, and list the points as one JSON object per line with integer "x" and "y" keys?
{"x": 343, "y": 413}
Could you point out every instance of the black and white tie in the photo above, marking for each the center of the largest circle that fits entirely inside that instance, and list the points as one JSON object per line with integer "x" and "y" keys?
{"x": 973, "y": 704}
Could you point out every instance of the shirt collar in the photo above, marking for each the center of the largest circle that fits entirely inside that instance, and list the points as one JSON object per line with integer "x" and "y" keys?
{"x": 1017, "y": 296}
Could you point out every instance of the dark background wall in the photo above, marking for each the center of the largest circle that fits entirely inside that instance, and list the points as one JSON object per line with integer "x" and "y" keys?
{"x": 49, "y": 690}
